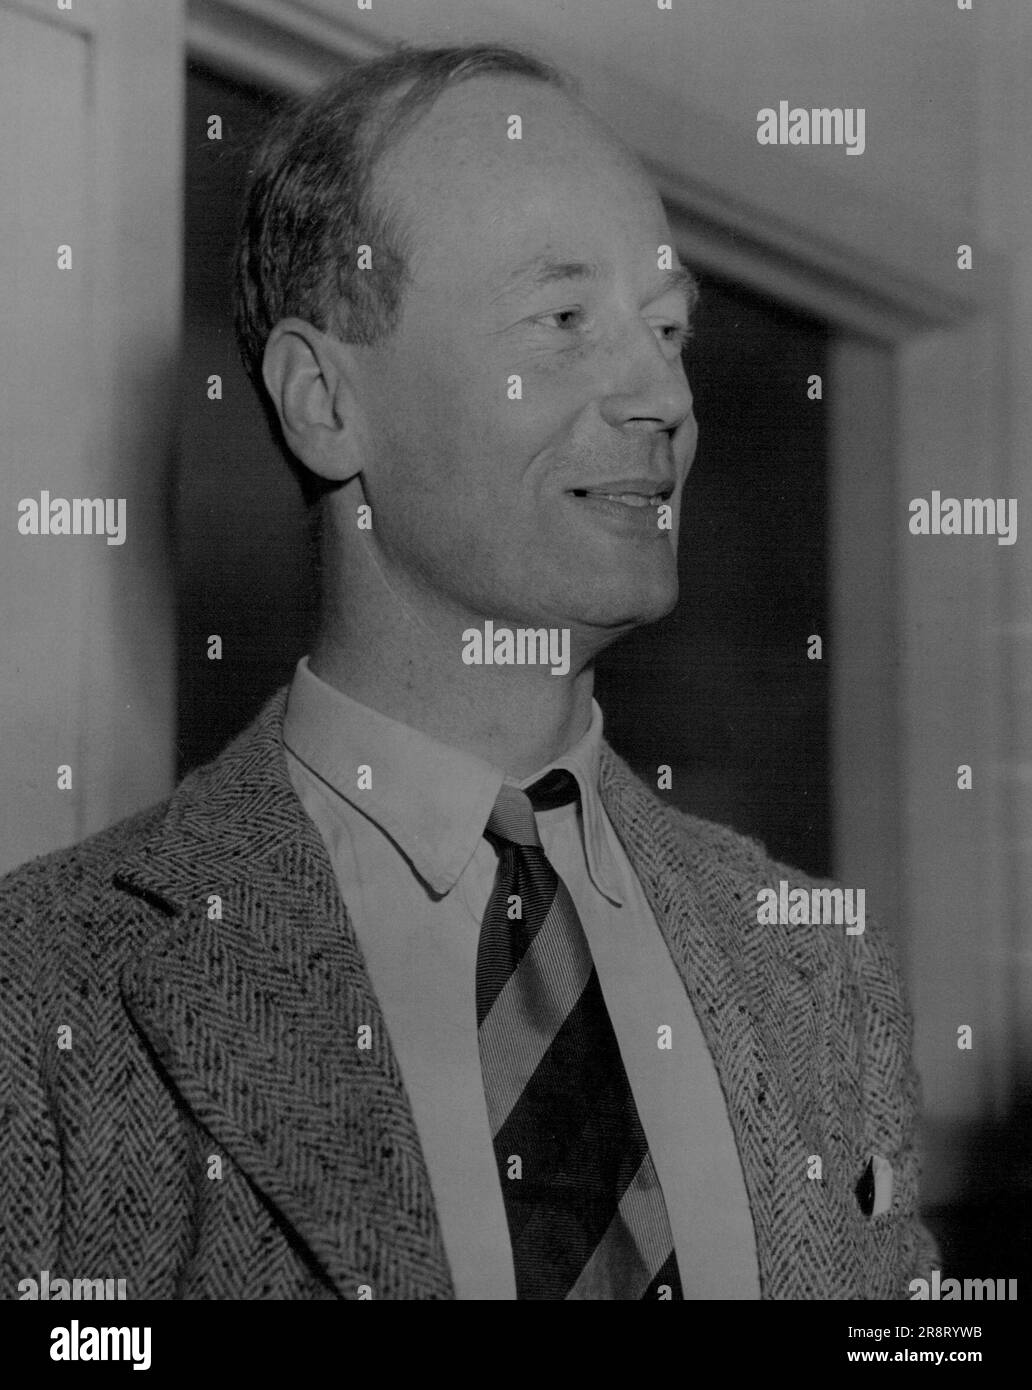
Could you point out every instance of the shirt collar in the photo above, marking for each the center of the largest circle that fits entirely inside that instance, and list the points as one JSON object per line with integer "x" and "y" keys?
{"x": 583, "y": 761}
{"x": 433, "y": 800}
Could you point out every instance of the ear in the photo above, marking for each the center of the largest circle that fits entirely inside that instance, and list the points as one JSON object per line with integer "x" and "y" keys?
{"x": 310, "y": 378}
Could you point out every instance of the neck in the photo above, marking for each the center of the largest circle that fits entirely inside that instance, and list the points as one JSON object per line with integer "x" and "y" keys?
{"x": 401, "y": 657}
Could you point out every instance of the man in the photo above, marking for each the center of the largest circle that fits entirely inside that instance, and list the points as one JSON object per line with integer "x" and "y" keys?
{"x": 415, "y": 992}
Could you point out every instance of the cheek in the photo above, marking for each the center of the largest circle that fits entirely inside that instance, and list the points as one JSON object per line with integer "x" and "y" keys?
{"x": 559, "y": 377}
{"x": 462, "y": 435}
{"x": 421, "y": 405}
{"x": 543, "y": 410}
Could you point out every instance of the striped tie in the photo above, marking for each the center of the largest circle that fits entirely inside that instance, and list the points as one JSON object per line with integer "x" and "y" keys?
{"x": 585, "y": 1209}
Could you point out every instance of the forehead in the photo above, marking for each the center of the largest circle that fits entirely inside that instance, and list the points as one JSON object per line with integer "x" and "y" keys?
{"x": 474, "y": 199}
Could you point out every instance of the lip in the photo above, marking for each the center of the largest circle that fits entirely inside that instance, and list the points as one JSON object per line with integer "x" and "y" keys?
{"x": 639, "y": 523}
{"x": 642, "y": 487}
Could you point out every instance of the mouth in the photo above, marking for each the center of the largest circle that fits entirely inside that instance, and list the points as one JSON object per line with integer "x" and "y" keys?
{"x": 637, "y": 493}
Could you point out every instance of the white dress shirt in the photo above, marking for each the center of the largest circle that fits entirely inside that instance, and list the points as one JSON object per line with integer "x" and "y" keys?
{"x": 416, "y": 872}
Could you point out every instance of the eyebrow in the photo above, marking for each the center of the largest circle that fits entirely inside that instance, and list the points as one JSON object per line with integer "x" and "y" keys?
{"x": 541, "y": 272}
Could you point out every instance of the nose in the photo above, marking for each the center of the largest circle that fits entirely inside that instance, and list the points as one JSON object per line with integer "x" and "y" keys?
{"x": 648, "y": 389}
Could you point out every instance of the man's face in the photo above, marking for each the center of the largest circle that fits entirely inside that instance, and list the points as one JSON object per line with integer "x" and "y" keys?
{"x": 537, "y": 259}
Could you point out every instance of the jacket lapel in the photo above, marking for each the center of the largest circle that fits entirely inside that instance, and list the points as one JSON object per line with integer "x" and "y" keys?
{"x": 758, "y": 1005}
{"x": 267, "y": 1024}
{"x": 258, "y": 1017}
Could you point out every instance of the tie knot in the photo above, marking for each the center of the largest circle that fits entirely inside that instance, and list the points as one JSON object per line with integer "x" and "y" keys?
{"x": 513, "y": 815}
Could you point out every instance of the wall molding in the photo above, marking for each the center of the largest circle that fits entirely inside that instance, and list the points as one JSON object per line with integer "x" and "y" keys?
{"x": 803, "y": 235}
{"x": 279, "y": 44}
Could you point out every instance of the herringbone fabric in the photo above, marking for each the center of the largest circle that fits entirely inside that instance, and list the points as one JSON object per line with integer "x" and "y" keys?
{"x": 216, "y": 1131}
{"x": 586, "y": 1212}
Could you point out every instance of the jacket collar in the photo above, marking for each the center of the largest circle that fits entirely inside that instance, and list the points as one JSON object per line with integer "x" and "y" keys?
{"x": 257, "y": 1015}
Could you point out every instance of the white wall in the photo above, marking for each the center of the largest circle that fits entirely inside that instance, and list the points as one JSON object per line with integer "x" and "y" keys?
{"x": 1004, "y": 209}
{"x": 89, "y": 158}
{"x": 909, "y": 64}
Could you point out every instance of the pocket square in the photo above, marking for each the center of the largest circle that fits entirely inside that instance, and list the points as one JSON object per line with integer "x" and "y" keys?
{"x": 874, "y": 1189}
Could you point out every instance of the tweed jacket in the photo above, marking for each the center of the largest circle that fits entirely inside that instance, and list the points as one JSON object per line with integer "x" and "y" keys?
{"x": 184, "y": 1104}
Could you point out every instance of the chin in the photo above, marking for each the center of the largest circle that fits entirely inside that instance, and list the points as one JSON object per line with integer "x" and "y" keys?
{"x": 628, "y": 606}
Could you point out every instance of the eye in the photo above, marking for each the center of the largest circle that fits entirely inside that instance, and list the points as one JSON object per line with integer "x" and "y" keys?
{"x": 564, "y": 319}
{"x": 676, "y": 334}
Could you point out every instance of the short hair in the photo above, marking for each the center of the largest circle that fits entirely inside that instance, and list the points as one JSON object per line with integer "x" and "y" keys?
{"x": 309, "y": 204}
